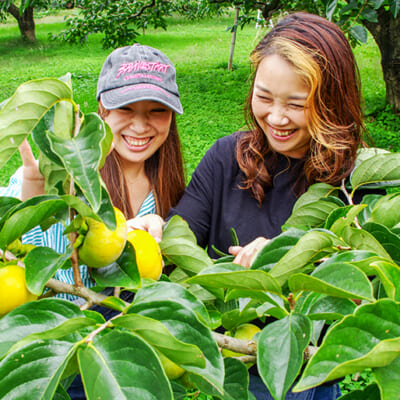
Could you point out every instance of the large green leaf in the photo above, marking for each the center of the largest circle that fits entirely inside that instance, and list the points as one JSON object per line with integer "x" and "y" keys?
{"x": 25, "y": 108}
{"x": 66, "y": 331}
{"x": 386, "y": 210}
{"x": 33, "y": 317}
{"x": 121, "y": 366}
{"x": 337, "y": 279}
{"x": 35, "y": 369}
{"x": 81, "y": 157}
{"x": 342, "y": 217}
{"x": 379, "y": 168}
{"x": 183, "y": 323}
{"x": 313, "y": 214}
{"x": 318, "y": 306}
{"x": 158, "y": 336}
{"x": 235, "y": 384}
{"x": 7, "y": 203}
{"x": 185, "y": 254}
{"x": 371, "y": 392}
{"x": 276, "y": 248}
{"x": 178, "y": 227}
{"x": 280, "y": 348}
{"x": 314, "y": 193}
{"x": 388, "y": 379}
{"x": 311, "y": 246}
{"x": 360, "y": 239}
{"x": 41, "y": 263}
{"x": 369, "y": 338}
{"x": 389, "y": 275}
{"x": 28, "y": 216}
{"x": 233, "y": 276}
{"x": 173, "y": 292}
{"x": 395, "y": 7}
{"x": 123, "y": 272}
{"x": 389, "y": 240}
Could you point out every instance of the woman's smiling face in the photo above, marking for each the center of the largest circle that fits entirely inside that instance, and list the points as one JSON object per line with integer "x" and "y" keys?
{"x": 139, "y": 129}
{"x": 278, "y": 105}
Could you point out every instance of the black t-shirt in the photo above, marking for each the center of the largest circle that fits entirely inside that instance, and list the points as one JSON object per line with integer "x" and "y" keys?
{"x": 213, "y": 202}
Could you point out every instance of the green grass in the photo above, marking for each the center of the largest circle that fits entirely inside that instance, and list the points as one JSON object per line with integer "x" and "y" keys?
{"x": 212, "y": 96}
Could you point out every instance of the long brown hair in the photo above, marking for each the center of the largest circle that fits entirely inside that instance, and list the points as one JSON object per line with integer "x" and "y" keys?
{"x": 164, "y": 170}
{"x": 319, "y": 52}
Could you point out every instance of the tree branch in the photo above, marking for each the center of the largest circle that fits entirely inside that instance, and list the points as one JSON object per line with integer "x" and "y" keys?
{"x": 249, "y": 347}
{"x": 141, "y": 11}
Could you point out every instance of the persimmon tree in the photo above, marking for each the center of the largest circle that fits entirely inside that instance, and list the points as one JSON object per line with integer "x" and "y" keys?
{"x": 330, "y": 282}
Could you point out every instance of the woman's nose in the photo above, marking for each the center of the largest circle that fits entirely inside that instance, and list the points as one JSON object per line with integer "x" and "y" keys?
{"x": 277, "y": 116}
{"x": 139, "y": 123}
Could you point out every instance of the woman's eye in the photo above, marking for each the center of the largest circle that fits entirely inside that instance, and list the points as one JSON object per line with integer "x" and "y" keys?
{"x": 159, "y": 110}
{"x": 264, "y": 99}
{"x": 296, "y": 106}
{"x": 124, "y": 110}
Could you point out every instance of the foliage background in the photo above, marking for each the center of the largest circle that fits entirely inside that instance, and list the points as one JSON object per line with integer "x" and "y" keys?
{"x": 212, "y": 97}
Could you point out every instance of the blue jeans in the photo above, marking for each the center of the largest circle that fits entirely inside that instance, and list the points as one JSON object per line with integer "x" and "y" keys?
{"x": 261, "y": 392}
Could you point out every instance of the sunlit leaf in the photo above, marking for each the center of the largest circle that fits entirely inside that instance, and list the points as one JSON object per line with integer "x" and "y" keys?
{"x": 313, "y": 214}
{"x": 81, "y": 157}
{"x": 360, "y": 239}
{"x": 185, "y": 254}
{"x": 369, "y": 338}
{"x": 25, "y": 108}
{"x": 312, "y": 246}
{"x": 176, "y": 226}
{"x": 233, "y": 276}
{"x": 338, "y": 280}
{"x": 379, "y": 168}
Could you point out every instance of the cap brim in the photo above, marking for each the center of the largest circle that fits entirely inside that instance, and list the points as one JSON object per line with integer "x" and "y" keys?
{"x": 120, "y": 97}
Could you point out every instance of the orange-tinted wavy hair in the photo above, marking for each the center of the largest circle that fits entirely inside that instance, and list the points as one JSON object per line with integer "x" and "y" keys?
{"x": 164, "y": 170}
{"x": 321, "y": 55}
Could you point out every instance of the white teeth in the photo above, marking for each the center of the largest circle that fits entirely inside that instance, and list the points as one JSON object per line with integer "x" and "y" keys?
{"x": 136, "y": 142}
{"x": 282, "y": 133}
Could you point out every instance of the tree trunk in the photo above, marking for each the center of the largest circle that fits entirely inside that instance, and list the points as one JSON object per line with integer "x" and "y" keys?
{"x": 25, "y": 20}
{"x": 387, "y": 36}
{"x": 233, "y": 41}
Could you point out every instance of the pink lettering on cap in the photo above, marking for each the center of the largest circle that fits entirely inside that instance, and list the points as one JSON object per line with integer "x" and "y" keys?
{"x": 142, "y": 66}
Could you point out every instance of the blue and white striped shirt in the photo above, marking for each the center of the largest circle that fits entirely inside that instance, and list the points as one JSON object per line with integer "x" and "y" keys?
{"x": 54, "y": 238}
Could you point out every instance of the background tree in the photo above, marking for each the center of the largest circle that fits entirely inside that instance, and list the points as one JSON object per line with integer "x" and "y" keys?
{"x": 355, "y": 17}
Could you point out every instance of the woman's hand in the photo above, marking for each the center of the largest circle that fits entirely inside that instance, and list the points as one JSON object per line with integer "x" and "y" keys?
{"x": 32, "y": 180}
{"x": 151, "y": 223}
{"x": 244, "y": 255}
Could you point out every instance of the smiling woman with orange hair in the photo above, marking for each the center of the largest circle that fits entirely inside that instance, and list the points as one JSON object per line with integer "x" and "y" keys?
{"x": 305, "y": 125}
